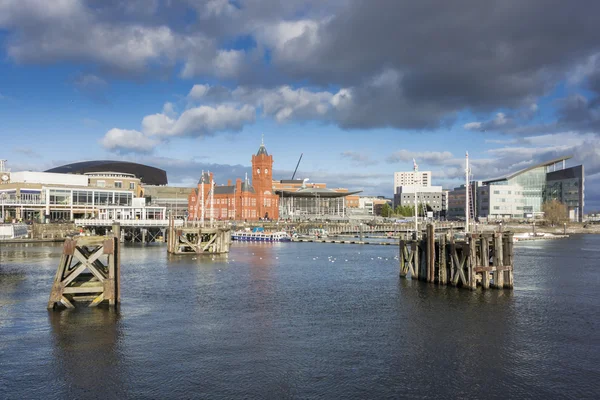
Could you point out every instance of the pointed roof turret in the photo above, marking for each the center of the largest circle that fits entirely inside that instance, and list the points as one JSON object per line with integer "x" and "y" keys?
{"x": 262, "y": 149}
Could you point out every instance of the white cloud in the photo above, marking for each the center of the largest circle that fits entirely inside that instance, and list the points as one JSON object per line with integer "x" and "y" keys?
{"x": 127, "y": 141}
{"x": 169, "y": 109}
{"x": 200, "y": 121}
{"x": 291, "y": 41}
{"x": 198, "y": 91}
{"x": 285, "y": 103}
{"x": 500, "y": 121}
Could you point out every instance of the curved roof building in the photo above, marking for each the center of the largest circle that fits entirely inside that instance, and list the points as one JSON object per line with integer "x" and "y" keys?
{"x": 147, "y": 175}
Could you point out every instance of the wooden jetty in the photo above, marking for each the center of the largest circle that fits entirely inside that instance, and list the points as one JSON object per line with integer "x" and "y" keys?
{"x": 89, "y": 271}
{"x": 484, "y": 259}
{"x": 198, "y": 240}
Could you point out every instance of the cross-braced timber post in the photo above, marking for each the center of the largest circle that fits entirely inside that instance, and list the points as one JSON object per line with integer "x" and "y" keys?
{"x": 484, "y": 259}
{"x": 198, "y": 240}
{"x": 84, "y": 276}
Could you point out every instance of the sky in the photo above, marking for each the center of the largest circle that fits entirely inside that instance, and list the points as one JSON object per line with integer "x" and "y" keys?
{"x": 359, "y": 87}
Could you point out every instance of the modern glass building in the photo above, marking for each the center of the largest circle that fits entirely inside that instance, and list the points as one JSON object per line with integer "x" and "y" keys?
{"x": 521, "y": 194}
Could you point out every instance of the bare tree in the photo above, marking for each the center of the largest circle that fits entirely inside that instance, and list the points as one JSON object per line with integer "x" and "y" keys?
{"x": 554, "y": 211}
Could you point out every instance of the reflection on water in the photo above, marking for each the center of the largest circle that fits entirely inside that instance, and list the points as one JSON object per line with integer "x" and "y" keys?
{"x": 86, "y": 353}
{"x": 304, "y": 320}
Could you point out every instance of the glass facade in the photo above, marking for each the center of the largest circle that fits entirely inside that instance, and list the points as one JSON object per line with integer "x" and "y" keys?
{"x": 533, "y": 183}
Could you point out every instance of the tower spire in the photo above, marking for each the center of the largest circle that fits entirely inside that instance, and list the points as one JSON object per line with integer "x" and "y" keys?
{"x": 262, "y": 139}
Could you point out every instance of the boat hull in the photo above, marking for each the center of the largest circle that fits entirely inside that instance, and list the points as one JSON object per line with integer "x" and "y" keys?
{"x": 248, "y": 237}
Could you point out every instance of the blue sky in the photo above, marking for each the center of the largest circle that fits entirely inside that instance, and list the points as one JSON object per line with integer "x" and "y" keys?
{"x": 359, "y": 89}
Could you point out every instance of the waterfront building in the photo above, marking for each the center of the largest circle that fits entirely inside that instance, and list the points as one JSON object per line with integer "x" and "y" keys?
{"x": 46, "y": 196}
{"x": 300, "y": 199}
{"x": 242, "y": 201}
{"x": 148, "y": 175}
{"x": 370, "y": 204}
{"x": 521, "y": 194}
{"x": 431, "y": 197}
{"x": 173, "y": 199}
{"x": 567, "y": 186}
{"x": 412, "y": 178}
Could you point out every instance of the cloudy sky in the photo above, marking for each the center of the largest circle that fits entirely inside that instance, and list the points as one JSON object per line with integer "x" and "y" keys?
{"x": 359, "y": 86}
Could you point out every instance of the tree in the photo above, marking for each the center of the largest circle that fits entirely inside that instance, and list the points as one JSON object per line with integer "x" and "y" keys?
{"x": 554, "y": 211}
{"x": 386, "y": 210}
{"x": 406, "y": 211}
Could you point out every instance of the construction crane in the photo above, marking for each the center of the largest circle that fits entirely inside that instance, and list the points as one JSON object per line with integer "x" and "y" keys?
{"x": 300, "y": 159}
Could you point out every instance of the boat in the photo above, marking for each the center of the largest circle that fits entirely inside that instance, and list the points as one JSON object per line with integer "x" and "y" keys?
{"x": 259, "y": 235}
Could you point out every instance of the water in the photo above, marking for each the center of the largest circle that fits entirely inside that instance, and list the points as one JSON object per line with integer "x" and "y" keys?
{"x": 304, "y": 320}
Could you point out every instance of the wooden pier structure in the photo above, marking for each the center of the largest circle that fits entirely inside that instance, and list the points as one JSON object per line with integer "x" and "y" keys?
{"x": 196, "y": 239}
{"x": 484, "y": 259}
{"x": 88, "y": 272}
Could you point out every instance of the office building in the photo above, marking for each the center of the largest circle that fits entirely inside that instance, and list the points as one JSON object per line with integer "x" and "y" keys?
{"x": 522, "y": 194}
{"x": 412, "y": 178}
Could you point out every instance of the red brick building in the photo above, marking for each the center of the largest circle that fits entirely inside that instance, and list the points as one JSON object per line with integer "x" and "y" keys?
{"x": 241, "y": 201}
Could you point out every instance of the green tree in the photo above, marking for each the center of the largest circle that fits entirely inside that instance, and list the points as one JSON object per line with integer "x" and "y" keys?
{"x": 405, "y": 211}
{"x": 554, "y": 211}
{"x": 386, "y": 210}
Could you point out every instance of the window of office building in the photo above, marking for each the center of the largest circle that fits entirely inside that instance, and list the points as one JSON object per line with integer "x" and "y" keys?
{"x": 58, "y": 196}
{"x": 82, "y": 197}
{"x": 131, "y": 185}
{"x": 102, "y": 198}
{"x": 118, "y": 184}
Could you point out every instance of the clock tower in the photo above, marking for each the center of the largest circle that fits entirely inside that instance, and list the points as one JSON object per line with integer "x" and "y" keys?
{"x": 262, "y": 181}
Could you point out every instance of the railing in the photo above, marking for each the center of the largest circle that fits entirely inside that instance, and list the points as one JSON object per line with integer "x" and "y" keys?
{"x": 23, "y": 202}
{"x": 127, "y": 222}
{"x": 13, "y": 231}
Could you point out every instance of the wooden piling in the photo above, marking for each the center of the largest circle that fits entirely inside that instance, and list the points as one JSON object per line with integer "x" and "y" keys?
{"x": 84, "y": 276}
{"x": 442, "y": 268}
{"x": 402, "y": 258}
{"x": 508, "y": 260}
{"x": 471, "y": 262}
{"x": 198, "y": 240}
{"x": 430, "y": 241}
{"x": 416, "y": 265}
{"x": 484, "y": 250}
{"x": 484, "y": 259}
{"x": 498, "y": 260}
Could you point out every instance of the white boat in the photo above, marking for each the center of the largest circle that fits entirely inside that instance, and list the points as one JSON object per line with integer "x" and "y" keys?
{"x": 248, "y": 236}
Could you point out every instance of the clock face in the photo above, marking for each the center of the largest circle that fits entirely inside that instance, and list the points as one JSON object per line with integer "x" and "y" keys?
{"x": 258, "y": 170}
{"x": 266, "y": 171}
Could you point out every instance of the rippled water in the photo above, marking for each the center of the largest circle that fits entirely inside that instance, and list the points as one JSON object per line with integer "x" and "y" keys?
{"x": 304, "y": 320}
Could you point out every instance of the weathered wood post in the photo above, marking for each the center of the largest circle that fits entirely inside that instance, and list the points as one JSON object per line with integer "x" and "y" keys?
{"x": 509, "y": 260}
{"x": 114, "y": 270}
{"x": 472, "y": 262}
{"x": 453, "y": 256}
{"x": 430, "y": 246}
{"x": 415, "y": 256}
{"x": 498, "y": 260}
{"x": 485, "y": 261}
{"x": 82, "y": 276}
{"x": 443, "y": 271}
{"x": 403, "y": 269}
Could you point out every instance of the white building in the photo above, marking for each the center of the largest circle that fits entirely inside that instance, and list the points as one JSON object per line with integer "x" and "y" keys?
{"x": 45, "y": 196}
{"x": 412, "y": 178}
{"x": 432, "y": 196}
{"x": 489, "y": 201}
{"x": 369, "y": 203}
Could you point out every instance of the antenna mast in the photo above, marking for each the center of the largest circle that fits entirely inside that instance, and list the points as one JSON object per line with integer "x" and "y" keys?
{"x": 467, "y": 194}
{"x": 202, "y": 201}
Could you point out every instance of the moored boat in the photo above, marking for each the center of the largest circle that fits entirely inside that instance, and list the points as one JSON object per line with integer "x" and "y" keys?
{"x": 260, "y": 236}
